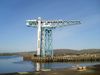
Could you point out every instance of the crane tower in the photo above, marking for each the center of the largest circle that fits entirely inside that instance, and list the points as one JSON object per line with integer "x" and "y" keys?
{"x": 44, "y": 35}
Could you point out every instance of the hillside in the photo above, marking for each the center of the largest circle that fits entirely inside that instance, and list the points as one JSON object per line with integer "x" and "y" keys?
{"x": 71, "y": 51}
{"x": 59, "y": 52}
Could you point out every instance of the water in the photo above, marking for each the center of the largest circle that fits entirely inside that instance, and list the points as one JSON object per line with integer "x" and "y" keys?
{"x": 11, "y": 64}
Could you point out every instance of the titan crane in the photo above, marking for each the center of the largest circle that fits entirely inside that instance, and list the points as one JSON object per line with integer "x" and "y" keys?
{"x": 44, "y": 35}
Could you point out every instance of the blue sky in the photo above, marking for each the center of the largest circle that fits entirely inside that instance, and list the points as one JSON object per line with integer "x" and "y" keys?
{"x": 16, "y": 36}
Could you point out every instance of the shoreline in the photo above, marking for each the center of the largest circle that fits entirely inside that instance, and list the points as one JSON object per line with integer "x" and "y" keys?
{"x": 90, "y": 70}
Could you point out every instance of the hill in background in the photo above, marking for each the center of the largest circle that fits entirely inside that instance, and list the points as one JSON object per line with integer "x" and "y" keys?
{"x": 59, "y": 52}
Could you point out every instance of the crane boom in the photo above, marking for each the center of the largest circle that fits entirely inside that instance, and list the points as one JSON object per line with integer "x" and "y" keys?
{"x": 52, "y": 23}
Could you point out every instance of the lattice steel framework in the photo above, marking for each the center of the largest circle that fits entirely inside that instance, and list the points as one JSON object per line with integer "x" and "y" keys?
{"x": 46, "y": 42}
{"x": 44, "y": 36}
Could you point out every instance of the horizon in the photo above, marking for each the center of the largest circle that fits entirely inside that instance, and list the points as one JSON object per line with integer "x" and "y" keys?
{"x": 6, "y": 51}
{"x": 16, "y": 36}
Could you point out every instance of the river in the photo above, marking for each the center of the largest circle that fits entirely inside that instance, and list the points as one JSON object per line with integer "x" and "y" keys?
{"x": 11, "y": 64}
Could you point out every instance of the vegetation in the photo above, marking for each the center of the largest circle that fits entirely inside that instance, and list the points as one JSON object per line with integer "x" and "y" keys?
{"x": 57, "y": 52}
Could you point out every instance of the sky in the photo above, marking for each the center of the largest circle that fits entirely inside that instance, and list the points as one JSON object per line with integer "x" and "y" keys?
{"x": 16, "y": 36}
